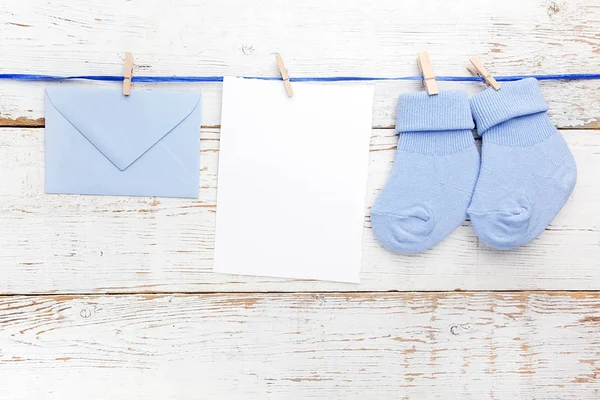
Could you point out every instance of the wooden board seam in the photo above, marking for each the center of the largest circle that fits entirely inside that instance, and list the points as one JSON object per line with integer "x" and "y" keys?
{"x": 324, "y": 292}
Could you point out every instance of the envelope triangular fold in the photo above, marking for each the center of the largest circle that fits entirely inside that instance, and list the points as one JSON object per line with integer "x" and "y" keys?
{"x": 122, "y": 127}
{"x": 103, "y": 143}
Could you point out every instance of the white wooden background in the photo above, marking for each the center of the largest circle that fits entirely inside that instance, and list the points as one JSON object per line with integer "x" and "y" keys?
{"x": 113, "y": 297}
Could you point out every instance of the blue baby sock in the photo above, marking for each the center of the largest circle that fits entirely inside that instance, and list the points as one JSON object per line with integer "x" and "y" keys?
{"x": 435, "y": 170}
{"x": 527, "y": 171}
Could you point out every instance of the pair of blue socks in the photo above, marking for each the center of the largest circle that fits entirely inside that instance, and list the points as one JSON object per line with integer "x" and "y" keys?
{"x": 525, "y": 175}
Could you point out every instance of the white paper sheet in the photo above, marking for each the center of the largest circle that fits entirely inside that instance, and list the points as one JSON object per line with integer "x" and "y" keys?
{"x": 292, "y": 179}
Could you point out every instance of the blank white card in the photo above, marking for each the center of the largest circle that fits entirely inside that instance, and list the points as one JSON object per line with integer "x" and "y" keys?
{"x": 292, "y": 179}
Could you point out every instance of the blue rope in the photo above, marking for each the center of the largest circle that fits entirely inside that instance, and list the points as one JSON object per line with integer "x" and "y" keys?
{"x": 116, "y": 78}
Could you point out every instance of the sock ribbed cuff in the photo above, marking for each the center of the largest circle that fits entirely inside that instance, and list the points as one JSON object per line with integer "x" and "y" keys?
{"x": 436, "y": 143}
{"x": 514, "y": 99}
{"x": 420, "y": 112}
{"x": 521, "y": 131}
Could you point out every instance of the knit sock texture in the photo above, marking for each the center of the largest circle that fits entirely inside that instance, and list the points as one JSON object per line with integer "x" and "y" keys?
{"x": 527, "y": 171}
{"x": 434, "y": 173}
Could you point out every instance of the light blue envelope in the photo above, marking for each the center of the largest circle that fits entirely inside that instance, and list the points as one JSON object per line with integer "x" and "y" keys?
{"x": 99, "y": 141}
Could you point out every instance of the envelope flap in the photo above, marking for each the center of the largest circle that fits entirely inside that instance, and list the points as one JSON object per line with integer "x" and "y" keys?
{"x": 122, "y": 127}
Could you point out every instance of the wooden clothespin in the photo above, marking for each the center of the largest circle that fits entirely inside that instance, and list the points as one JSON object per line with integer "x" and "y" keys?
{"x": 128, "y": 74}
{"x": 477, "y": 68}
{"x": 284, "y": 75}
{"x": 427, "y": 71}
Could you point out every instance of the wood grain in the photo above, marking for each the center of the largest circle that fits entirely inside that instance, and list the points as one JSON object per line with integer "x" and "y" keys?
{"x": 353, "y": 345}
{"x": 316, "y": 38}
{"x": 301, "y": 346}
{"x": 85, "y": 244}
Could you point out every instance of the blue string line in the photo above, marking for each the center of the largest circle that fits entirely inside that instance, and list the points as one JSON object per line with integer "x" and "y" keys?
{"x": 116, "y": 78}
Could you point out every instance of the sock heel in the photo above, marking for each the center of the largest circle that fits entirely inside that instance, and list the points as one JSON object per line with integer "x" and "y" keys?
{"x": 566, "y": 178}
{"x": 504, "y": 228}
{"x": 405, "y": 232}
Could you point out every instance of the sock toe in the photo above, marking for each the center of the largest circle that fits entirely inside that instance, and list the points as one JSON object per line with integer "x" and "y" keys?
{"x": 407, "y": 231}
{"x": 506, "y": 227}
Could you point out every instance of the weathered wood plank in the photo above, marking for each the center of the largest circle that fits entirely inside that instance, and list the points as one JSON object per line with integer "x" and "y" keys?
{"x": 61, "y": 243}
{"x": 299, "y": 346}
{"x": 317, "y": 38}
